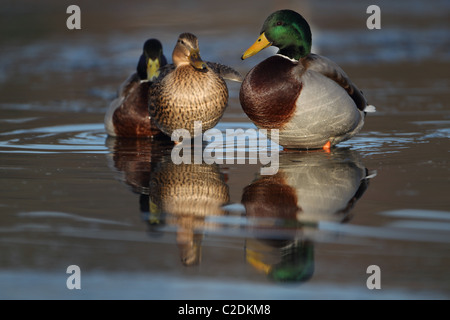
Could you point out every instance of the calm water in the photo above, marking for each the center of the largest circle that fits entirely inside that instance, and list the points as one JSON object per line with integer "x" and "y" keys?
{"x": 139, "y": 226}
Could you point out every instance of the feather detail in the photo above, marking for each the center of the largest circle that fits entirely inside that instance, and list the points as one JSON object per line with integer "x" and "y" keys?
{"x": 370, "y": 108}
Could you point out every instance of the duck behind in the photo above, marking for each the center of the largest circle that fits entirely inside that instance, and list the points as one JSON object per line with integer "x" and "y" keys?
{"x": 127, "y": 115}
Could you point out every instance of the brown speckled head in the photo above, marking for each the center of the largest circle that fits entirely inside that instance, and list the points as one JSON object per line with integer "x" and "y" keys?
{"x": 186, "y": 51}
{"x": 269, "y": 92}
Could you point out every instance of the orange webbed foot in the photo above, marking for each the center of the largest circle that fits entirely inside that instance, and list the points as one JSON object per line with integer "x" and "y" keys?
{"x": 327, "y": 146}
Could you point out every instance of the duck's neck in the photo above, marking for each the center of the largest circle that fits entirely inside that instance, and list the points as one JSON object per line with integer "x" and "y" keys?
{"x": 294, "y": 52}
{"x": 142, "y": 68}
{"x": 298, "y": 45}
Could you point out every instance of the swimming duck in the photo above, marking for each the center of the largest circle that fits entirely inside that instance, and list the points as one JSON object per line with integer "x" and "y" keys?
{"x": 127, "y": 115}
{"x": 308, "y": 97}
{"x": 189, "y": 90}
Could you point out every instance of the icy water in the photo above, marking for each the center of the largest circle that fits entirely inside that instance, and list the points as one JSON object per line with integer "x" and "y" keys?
{"x": 140, "y": 227}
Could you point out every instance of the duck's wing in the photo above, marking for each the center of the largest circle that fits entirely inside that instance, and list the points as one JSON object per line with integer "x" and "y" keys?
{"x": 225, "y": 72}
{"x": 128, "y": 85}
{"x": 332, "y": 71}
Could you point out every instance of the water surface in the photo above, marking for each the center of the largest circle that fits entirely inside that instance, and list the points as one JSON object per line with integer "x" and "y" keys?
{"x": 139, "y": 226}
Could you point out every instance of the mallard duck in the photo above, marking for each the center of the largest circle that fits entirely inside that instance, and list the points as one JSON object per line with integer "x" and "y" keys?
{"x": 309, "y": 98}
{"x": 287, "y": 208}
{"x": 186, "y": 195}
{"x": 127, "y": 115}
{"x": 189, "y": 90}
{"x": 310, "y": 187}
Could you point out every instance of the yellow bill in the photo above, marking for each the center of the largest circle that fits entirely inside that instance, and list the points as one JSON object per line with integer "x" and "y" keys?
{"x": 196, "y": 61}
{"x": 260, "y": 44}
{"x": 152, "y": 69}
{"x": 255, "y": 260}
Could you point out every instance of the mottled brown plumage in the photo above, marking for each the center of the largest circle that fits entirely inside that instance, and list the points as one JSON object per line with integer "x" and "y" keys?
{"x": 187, "y": 194}
{"x": 189, "y": 90}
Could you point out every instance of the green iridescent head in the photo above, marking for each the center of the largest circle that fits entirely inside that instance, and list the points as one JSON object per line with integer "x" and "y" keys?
{"x": 288, "y": 31}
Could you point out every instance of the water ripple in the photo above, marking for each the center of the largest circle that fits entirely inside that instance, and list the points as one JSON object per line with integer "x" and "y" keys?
{"x": 75, "y": 138}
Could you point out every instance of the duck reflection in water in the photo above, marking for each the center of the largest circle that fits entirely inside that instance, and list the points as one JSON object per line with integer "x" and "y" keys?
{"x": 188, "y": 193}
{"x": 134, "y": 160}
{"x": 309, "y": 187}
{"x": 171, "y": 195}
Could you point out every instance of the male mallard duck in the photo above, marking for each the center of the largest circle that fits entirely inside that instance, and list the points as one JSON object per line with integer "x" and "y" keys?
{"x": 127, "y": 115}
{"x": 307, "y": 97}
{"x": 189, "y": 90}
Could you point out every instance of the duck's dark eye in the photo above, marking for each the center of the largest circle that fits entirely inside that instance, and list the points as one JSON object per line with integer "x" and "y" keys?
{"x": 279, "y": 23}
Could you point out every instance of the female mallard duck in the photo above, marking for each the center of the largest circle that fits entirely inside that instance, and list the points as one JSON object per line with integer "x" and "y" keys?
{"x": 189, "y": 90}
{"x": 185, "y": 196}
{"x": 307, "y": 97}
{"x": 127, "y": 115}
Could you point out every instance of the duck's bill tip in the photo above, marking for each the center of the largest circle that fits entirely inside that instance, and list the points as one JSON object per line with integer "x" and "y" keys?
{"x": 260, "y": 44}
{"x": 196, "y": 61}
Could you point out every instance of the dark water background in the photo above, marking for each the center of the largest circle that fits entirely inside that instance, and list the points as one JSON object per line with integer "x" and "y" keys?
{"x": 70, "y": 196}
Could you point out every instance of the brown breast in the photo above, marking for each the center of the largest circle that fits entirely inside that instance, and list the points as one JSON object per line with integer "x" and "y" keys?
{"x": 271, "y": 197}
{"x": 269, "y": 92}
